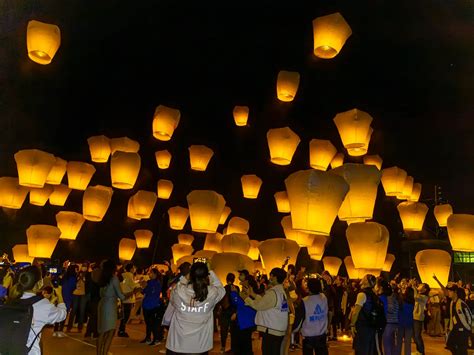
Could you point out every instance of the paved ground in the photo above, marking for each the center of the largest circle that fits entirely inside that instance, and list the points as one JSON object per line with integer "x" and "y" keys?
{"x": 75, "y": 343}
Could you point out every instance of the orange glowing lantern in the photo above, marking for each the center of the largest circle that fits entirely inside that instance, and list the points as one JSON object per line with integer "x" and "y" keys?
{"x": 123, "y": 144}
{"x": 302, "y": 238}
{"x": 69, "y": 223}
{"x": 251, "y": 186}
{"x": 124, "y": 169}
{"x": 354, "y": 128}
{"x": 332, "y": 264}
{"x": 59, "y": 195}
{"x": 165, "y": 121}
{"x": 407, "y": 189}
{"x": 412, "y": 215}
{"x": 141, "y": 205}
{"x": 199, "y": 157}
{"x": 79, "y": 175}
{"x": 33, "y": 167}
{"x": 205, "y": 210}
{"x": 43, "y": 41}
{"x": 20, "y": 254}
{"x": 274, "y": 252}
{"x": 181, "y": 250}
{"x": 415, "y": 193}
{"x": 321, "y": 153}
{"x": 96, "y": 202}
{"x": 39, "y": 196}
{"x": 143, "y": 238}
{"x": 393, "y": 180}
{"x": 213, "y": 242}
{"x": 442, "y": 212}
{"x": 316, "y": 250}
{"x": 236, "y": 243}
{"x": 99, "y": 148}
{"x": 187, "y": 239}
{"x": 337, "y": 161}
{"x": 164, "y": 189}
{"x": 225, "y": 214}
{"x": 224, "y": 263}
{"x": 178, "y": 217}
{"x": 241, "y": 115}
{"x": 163, "y": 159}
{"x": 127, "y": 248}
{"x": 57, "y": 172}
{"x": 238, "y": 225}
{"x": 431, "y": 262}
{"x": 254, "y": 253}
{"x": 461, "y": 232}
{"x": 330, "y": 32}
{"x": 389, "y": 260}
{"x": 12, "y": 195}
{"x": 282, "y": 143}
{"x": 282, "y": 202}
{"x": 375, "y": 160}
{"x": 368, "y": 243}
{"x": 42, "y": 240}
{"x": 287, "y": 85}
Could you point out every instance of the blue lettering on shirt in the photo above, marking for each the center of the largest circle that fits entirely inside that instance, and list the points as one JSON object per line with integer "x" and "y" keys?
{"x": 317, "y": 315}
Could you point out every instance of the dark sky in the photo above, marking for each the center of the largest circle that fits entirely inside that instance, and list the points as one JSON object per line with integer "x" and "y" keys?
{"x": 409, "y": 64}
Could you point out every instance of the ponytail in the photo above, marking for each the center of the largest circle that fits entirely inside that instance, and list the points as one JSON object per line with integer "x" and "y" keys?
{"x": 199, "y": 276}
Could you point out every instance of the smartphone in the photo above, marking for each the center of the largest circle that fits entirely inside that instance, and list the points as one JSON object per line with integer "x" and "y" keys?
{"x": 53, "y": 270}
{"x": 200, "y": 260}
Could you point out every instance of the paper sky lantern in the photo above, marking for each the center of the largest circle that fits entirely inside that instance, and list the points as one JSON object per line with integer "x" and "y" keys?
{"x": 241, "y": 115}
{"x": 42, "y": 240}
{"x": 187, "y": 239}
{"x": 69, "y": 223}
{"x": 274, "y": 251}
{"x": 373, "y": 160}
{"x": 99, "y": 148}
{"x": 205, "y": 210}
{"x": 141, "y": 205}
{"x": 39, "y": 196}
{"x": 332, "y": 264}
{"x": 235, "y": 243}
{"x": 431, "y": 262}
{"x": 57, "y": 172}
{"x": 389, "y": 260}
{"x": 127, "y": 248}
{"x": 412, "y": 215}
{"x": 164, "y": 188}
{"x": 123, "y": 144}
{"x": 461, "y": 232}
{"x": 12, "y": 195}
{"x": 178, "y": 217}
{"x": 316, "y": 250}
{"x": 357, "y": 273}
{"x": 42, "y": 41}
{"x": 407, "y": 189}
{"x": 33, "y": 167}
{"x": 287, "y": 85}
{"x": 357, "y": 152}
{"x": 330, "y": 32}
{"x": 207, "y": 254}
{"x": 363, "y": 181}
{"x": 59, "y": 195}
{"x": 337, "y": 161}
{"x": 353, "y": 127}
{"x": 254, "y": 253}
{"x": 282, "y": 202}
{"x": 180, "y": 250}
{"x": 224, "y": 263}
{"x": 282, "y": 143}
{"x": 302, "y": 238}
{"x": 163, "y": 159}
{"x": 213, "y": 242}
{"x": 165, "y": 121}
{"x": 143, "y": 238}
{"x": 184, "y": 259}
{"x": 124, "y": 169}
{"x": 238, "y": 225}
{"x": 415, "y": 193}
{"x": 95, "y": 202}
{"x": 199, "y": 157}
{"x": 251, "y": 186}
{"x": 79, "y": 175}
{"x": 321, "y": 152}
{"x": 20, "y": 254}
{"x": 442, "y": 212}
{"x": 368, "y": 243}
{"x": 225, "y": 214}
{"x": 393, "y": 180}
{"x": 315, "y": 198}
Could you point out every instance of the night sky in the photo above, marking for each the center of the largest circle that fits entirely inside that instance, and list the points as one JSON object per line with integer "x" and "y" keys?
{"x": 409, "y": 64}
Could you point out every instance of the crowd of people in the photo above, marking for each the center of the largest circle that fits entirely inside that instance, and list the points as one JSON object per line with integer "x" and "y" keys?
{"x": 288, "y": 308}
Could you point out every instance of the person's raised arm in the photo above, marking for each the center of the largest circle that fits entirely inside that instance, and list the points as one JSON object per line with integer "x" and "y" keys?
{"x": 445, "y": 291}
{"x": 259, "y": 303}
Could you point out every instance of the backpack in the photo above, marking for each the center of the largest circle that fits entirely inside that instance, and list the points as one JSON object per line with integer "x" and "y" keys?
{"x": 15, "y": 326}
{"x": 375, "y": 316}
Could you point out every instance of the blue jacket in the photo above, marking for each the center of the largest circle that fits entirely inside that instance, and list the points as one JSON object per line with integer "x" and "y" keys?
{"x": 68, "y": 287}
{"x": 245, "y": 314}
{"x": 152, "y": 293}
{"x": 406, "y": 315}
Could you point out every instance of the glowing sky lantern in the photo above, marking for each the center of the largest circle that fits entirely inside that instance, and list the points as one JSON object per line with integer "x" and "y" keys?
{"x": 316, "y": 250}
{"x": 368, "y": 243}
{"x": 461, "y": 232}
{"x": 415, "y": 193}
{"x": 358, "y": 152}
{"x": 178, "y": 217}
{"x": 141, "y": 205}
{"x": 241, "y": 115}
{"x": 127, "y": 249}
{"x": 180, "y": 250}
{"x": 206, "y": 254}
{"x": 236, "y": 243}
{"x": 407, "y": 188}
{"x": 143, "y": 238}
{"x": 213, "y": 242}
{"x": 163, "y": 159}
{"x": 375, "y": 160}
{"x": 389, "y": 260}
{"x": 20, "y": 254}
{"x": 95, "y": 202}
{"x": 69, "y": 223}
{"x": 39, "y": 196}
{"x": 123, "y": 144}
{"x": 330, "y": 32}
{"x": 282, "y": 202}
{"x": 431, "y": 262}
{"x": 337, "y": 161}
{"x": 99, "y": 148}
{"x": 238, "y": 225}
{"x": 287, "y": 85}
{"x": 79, "y": 175}
{"x": 164, "y": 188}
{"x": 59, "y": 195}
{"x": 412, "y": 215}
{"x": 12, "y": 195}
{"x": 199, "y": 157}
{"x": 321, "y": 153}
{"x": 354, "y": 128}
{"x": 42, "y": 240}
{"x": 225, "y": 214}
{"x": 357, "y": 273}
{"x": 254, "y": 253}
{"x": 332, "y": 264}
{"x": 302, "y": 238}
{"x": 165, "y": 121}
{"x": 442, "y": 212}
{"x": 274, "y": 252}
{"x": 124, "y": 169}
{"x": 33, "y": 167}
{"x": 315, "y": 198}
{"x": 205, "y": 210}
{"x": 184, "y": 238}
{"x": 363, "y": 181}
{"x": 42, "y": 41}
{"x": 251, "y": 186}
{"x": 224, "y": 263}
{"x": 393, "y": 180}
{"x": 282, "y": 143}
{"x": 57, "y": 172}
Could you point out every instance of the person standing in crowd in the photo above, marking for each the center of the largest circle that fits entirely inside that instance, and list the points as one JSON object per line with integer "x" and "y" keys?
{"x": 68, "y": 285}
{"x": 405, "y": 332}
{"x": 470, "y": 304}
{"x": 93, "y": 294}
{"x": 140, "y": 278}
{"x": 151, "y": 308}
{"x": 421, "y": 298}
{"x": 363, "y": 327}
{"x": 78, "y": 305}
{"x": 434, "y": 309}
{"x": 312, "y": 319}
{"x": 44, "y": 312}
{"x": 272, "y": 312}
{"x": 128, "y": 285}
{"x": 191, "y": 325}
{"x": 226, "y": 310}
{"x": 391, "y": 305}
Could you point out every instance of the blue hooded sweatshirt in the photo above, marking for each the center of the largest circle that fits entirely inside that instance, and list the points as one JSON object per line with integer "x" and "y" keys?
{"x": 245, "y": 314}
{"x": 152, "y": 293}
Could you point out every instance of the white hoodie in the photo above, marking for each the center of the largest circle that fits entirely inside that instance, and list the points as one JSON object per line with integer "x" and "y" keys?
{"x": 191, "y": 327}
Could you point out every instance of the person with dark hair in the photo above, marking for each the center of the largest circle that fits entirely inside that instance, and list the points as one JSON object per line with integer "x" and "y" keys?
{"x": 391, "y": 305}
{"x": 226, "y": 310}
{"x": 93, "y": 291}
{"x": 421, "y": 298}
{"x": 151, "y": 308}
{"x": 68, "y": 285}
{"x": 78, "y": 305}
{"x": 191, "y": 326}
{"x": 272, "y": 312}
{"x": 405, "y": 332}
{"x": 128, "y": 285}
{"x": 29, "y": 283}
{"x": 312, "y": 319}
